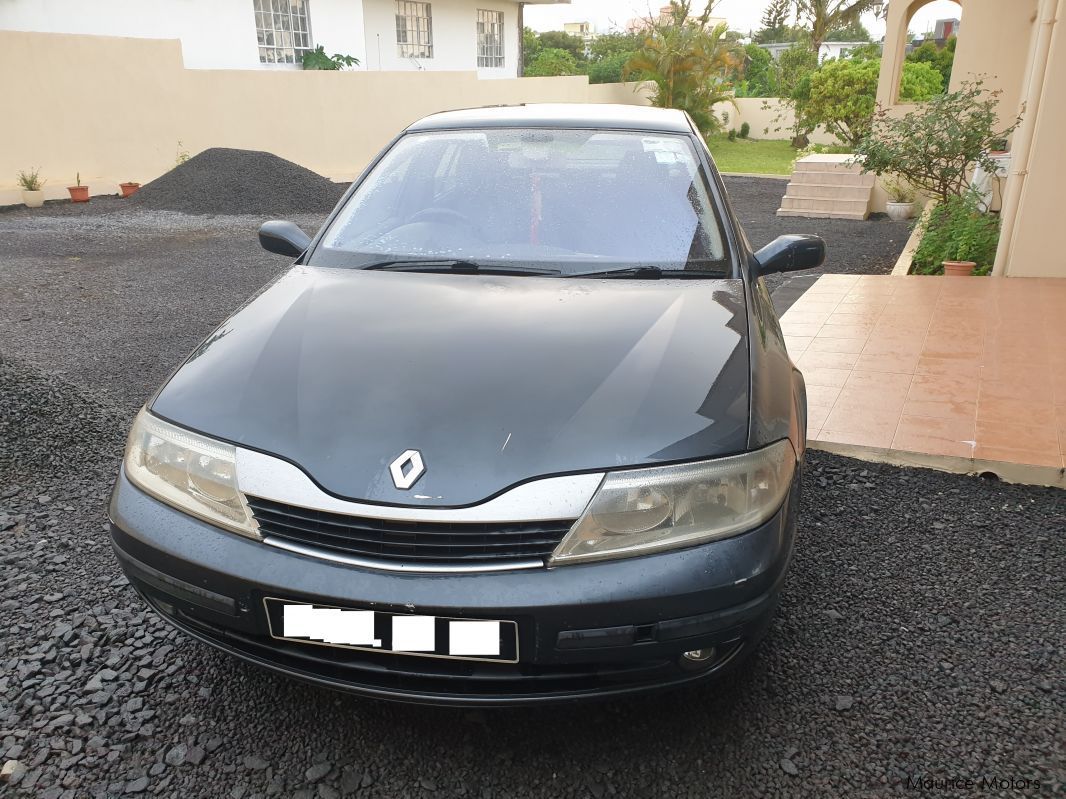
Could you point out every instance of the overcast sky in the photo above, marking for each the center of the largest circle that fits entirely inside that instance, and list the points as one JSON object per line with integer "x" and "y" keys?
{"x": 743, "y": 15}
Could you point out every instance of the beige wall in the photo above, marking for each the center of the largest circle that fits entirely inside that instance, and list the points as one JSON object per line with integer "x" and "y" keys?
{"x": 999, "y": 41}
{"x": 762, "y": 113}
{"x": 994, "y": 42}
{"x": 1034, "y": 249}
{"x": 114, "y": 109}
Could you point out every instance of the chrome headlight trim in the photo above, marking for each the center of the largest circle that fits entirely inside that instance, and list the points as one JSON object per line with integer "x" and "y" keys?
{"x": 641, "y": 511}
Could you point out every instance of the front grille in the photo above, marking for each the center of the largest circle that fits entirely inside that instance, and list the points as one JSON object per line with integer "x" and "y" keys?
{"x": 409, "y": 542}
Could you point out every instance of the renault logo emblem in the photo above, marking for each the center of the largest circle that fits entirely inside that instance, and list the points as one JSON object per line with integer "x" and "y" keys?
{"x": 407, "y": 468}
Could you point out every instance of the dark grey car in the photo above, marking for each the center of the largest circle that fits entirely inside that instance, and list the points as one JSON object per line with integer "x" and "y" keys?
{"x": 518, "y": 425}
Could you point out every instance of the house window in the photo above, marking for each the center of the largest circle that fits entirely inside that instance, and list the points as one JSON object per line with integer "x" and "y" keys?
{"x": 414, "y": 29}
{"x": 489, "y": 38}
{"x": 284, "y": 30}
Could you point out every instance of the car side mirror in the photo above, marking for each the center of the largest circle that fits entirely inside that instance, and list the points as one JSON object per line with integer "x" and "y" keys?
{"x": 283, "y": 238}
{"x": 790, "y": 254}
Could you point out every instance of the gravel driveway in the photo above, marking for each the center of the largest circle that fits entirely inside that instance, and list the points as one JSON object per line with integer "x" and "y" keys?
{"x": 922, "y": 633}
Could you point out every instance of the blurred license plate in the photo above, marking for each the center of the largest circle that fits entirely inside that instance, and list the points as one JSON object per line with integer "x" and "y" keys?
{"x": 400, "y": 633}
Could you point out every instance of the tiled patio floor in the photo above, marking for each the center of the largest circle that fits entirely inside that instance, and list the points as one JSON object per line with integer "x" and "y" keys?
{"x": 959, "y": 368}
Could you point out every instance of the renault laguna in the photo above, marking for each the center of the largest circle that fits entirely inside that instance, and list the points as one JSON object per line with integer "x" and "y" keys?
{"x": 517, "y": 425}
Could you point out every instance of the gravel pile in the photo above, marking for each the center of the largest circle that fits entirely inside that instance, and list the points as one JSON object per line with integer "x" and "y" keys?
{"x": 227, "y": 181}
{"x": 921, "y": 634}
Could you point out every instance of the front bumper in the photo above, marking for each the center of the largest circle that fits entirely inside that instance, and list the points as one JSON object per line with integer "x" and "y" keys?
{"x": 598, "y": 629}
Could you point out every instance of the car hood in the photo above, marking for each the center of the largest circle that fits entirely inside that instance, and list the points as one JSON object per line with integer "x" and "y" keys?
{"x": 494, "y": 380}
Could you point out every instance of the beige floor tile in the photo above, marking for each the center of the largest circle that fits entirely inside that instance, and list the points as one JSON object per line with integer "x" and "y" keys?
{"x": 892, "y": 383}
{"x": 816, "y": 415}
{"x": 797, "y": 345}
{"x": 830, "y": 344}
{"x": 830, "y": 360}
{"x": 1015, "y": 411}
{"x": 941, "y": 409}
{"x": 901, "y": 363}
{"x": 819, "y": 376}
{"x": 935, "y": 436}
{"x": 1013, "y": 435}
{"x": 822, "y": 395}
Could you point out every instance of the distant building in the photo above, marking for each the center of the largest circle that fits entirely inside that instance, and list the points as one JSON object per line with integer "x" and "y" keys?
{"x": 583, "y": 31}
{"x": 638, "y": 24}
{"x": 942, "y": 31}
{"x": 826, "y": 51}
{"x": 387, "y": 35}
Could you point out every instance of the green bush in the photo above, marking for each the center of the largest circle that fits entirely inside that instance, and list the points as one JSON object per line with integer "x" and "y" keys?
{"x": 318, "y": 59}
{"x": 732, "y": 134}
{"x": 936, "y": 147}
{"x": 551, "y": 62}
{"x": 745, "y": 129}
{"x": 609, "y": 69}
{"x": 957, "y": 230}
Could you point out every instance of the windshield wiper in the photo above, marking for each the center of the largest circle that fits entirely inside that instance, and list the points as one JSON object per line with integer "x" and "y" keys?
{"x": 458, "y": 266}
{"x": 648, "y": 273}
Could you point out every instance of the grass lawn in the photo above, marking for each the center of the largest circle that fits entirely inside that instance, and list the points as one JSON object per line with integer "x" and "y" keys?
{"x": 764, "y": 157}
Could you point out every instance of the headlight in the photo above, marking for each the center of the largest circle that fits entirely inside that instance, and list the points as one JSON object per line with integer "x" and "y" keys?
{"x": 647, "y": 510}
{"x": 195, "y": 474}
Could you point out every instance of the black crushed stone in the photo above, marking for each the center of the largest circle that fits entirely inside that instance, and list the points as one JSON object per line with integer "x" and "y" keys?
{"x": 853, "y": 247}
{"x": 222, "y": 180}
{"x": 921, "y": 633}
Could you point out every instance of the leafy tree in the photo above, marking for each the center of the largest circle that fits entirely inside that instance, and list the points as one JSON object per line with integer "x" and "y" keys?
{"x": 614, "y": 43}
{"x": 793, "y": 73}
{"x": 822, "y": 17}
{"x": 611, "y": 69}
{"x": 775, "y": 27}
{"x": 842, "y": 98}
{"x": 688, "y": 60}
{"x": 936, "y": 147}
{"x": 559, "y": 40}
{"x": 757, "y": 76}
{"x": 853, "y": 31}
{"x": 530, "y": 47}
{"x": 942, "y": 58}
{"x": 609, "y": 55}
{"x": 843, "y": 95}
{"x": 919, "y": 82}
{"x": 551, "y": 62}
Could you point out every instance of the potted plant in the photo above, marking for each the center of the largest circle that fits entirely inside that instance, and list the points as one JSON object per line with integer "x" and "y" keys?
{"x": 900, "y": 203}
{"x": 78, "y": 193}
{"x": 129, "y": 188}
{"x": 998, "y": 147}
{"x": 32, "y": 188}
{"x": 962, "y": 248}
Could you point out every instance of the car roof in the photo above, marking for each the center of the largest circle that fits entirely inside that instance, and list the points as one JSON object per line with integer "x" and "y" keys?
{"x": 560, "y": 115}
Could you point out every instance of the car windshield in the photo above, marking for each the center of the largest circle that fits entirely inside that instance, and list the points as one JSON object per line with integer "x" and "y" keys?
{"x": 553, "y": 201}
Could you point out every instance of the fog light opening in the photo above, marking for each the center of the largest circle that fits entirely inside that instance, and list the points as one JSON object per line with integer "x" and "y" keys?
{"x": 698, "y": 659}
{"x": 699, "y": 655}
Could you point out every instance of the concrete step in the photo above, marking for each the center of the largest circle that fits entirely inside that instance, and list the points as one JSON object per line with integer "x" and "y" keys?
{"x": 832, "y": 191}
{"x": 825, "y": 204}
{"x": 833, "y": 178}
{"x": 822, "y": 214}
{"x": 816, "y": 163}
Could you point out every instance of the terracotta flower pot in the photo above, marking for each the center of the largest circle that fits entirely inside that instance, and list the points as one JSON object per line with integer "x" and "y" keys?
{"x": 959, "y": 268}
{"x": 78, "y": 194}
{"x": 33, "y": 199}
{"x": 129, "y": 189}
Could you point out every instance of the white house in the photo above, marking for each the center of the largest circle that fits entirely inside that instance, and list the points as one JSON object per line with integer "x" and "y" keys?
{"x": 826, "y": 51}
{"x": 388, "y": 35}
